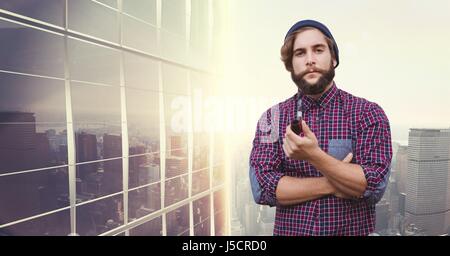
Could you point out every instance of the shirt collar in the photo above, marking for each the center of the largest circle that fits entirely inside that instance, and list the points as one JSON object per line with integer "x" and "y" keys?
{"x": 324, "y": 100}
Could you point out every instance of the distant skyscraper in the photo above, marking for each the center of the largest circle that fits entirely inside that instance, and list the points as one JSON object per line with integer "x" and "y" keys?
{"x": 427, "y": 192}
{"x": 112, "y": 146}
{"x": 401, "y": 168}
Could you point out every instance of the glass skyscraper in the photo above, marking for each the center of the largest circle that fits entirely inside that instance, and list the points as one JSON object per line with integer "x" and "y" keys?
{"x": 98, "y": 131}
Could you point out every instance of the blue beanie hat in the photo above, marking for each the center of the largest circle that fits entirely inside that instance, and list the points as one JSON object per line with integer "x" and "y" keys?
{"x": 319, "y": 26}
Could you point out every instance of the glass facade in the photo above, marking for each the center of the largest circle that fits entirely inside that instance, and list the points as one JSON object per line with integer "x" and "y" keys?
{"x": 98, "y": 131}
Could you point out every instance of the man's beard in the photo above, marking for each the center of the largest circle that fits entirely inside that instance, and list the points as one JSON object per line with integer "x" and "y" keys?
{"x": 318, "y": 87}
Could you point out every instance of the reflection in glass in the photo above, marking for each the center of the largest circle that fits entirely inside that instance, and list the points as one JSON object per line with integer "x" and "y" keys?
{"x": 219, "y": 152}
{"x": 96, "y": 141}
{"x": 112, "y": 3}
{"x": 199, "y": 33}
{"x": 218, "y": 174}
{"x": 219, "y": 200}
{"x": 27, "y": 194}
{"x": 144, "y": 201}
{"x": 139, "y": 35}
{"x": 200, "y": 181}
{"x": 201, "y": 209}
{"x": 176, "y": 190}
{"x": 26, "y": 146}
{"x": 219, "y": 223}
{"x": 174, "y": 16}
{"x": 93, "y": 19}
{"x": 149, "y": 228}
{"x": 95, "y": 104}
{"x": 143, "y": 9}
{"x": 100, "y": 216}
{"x": 28, "y": 50}
{"x": 176, "y": 163}
{"x": 203, "y": 228}
{"x": 219, "y": 213}
{"x": 143, "y": 121}
{"x": 98, "y": 179}
{"x": 143, "y": 169}
{"x": 45, "y": 98}
{"x": 55, "y": 224}
{"x": 178, "y": 221}
{"x": 201, "y": 151}
{"x": 51, "y": 11}
{"x": 93, "y": 63}
{"x": 140, "y": 72}
{"x": 174, "y": 80}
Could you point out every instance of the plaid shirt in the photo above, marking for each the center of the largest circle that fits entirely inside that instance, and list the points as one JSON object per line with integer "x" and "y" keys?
{"x": 342, "y": 123}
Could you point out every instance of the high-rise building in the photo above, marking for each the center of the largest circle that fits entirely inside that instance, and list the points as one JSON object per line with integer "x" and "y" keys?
{"x": 427, "y": 192}
{"x": 401, "y": 168}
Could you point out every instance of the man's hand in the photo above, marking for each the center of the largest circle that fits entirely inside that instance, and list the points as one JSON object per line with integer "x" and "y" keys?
{"x": 300, "y": 147}
{"x": 337, "y": 193}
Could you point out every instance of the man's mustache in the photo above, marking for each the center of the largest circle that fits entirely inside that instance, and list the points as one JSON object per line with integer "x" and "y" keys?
{"x": 311, "y": 70}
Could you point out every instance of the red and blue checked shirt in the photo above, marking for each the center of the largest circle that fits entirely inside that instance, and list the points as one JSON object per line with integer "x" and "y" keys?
{"x": 342, "y": 123}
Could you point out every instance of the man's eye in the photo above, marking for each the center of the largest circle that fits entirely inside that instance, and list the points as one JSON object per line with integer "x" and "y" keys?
{"x": 319, "y": 50}
{"x": 299, "y": 53}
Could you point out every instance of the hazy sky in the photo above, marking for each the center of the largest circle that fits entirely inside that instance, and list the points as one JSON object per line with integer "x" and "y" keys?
{"x": 395, "y": 53}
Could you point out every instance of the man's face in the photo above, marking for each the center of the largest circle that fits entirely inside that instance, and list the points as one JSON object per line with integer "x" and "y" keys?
{"x": 312, "y": 62}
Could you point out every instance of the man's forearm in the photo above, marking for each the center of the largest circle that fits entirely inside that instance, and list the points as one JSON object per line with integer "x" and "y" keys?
{"x": 292, "y": 190}
{"x": 345, "y": 177}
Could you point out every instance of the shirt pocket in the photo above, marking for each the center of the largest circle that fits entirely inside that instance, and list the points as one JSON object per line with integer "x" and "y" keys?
{"x": 339, "y": 148}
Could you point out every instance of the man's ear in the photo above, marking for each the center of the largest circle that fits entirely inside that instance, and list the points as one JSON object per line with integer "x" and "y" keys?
{"x": 334, "y": 62}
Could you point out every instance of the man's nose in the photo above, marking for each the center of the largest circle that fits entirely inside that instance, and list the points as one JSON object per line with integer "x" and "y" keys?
{"x": 310, "y": 59}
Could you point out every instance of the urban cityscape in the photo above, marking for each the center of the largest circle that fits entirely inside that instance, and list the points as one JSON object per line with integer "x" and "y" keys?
{"x": 105, "y": 127}
{"x": 416, "y": 201}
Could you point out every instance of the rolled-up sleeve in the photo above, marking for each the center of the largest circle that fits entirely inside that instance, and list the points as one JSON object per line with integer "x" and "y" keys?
{"x": 374, "y": 151}
{"x": 265, "y": 159}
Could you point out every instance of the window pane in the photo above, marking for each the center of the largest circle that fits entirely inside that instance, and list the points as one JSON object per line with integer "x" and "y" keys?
{"x": 29, "y": 145}
{"x": 93, "y": 19}
{"x": 176, "y": 164}
{"x": 219, "y": 145}
{"x": 51, "y": 11}
{"x": 93, "y": 63}
{"x": 176, "y": 190}
{"x": 201, "y": 209}
{"x": 219, "y": 200}
{"x": 219, "y": 175}
{"x": 143, "y": 170}
{"x": 174, "y": 80}
{"x": 140, "y": 72}
{"x": 203, "y": 228}
{"x": 28, "y": 50}
{"x": 201, "y": 151}
{"x": 28, "y": 194}
{"x": 174, "y": 16}
{"x": 149, "y": 228}
{"x": 95, "y": 142}
{"x": 143, "y": 121}
{"x": 55, "y": 224}
{"x": 219, "y": 223}
{"x": 139, "y": 35}
{"x": 199, "y": 25}
{"x": 95, "y": 104}
{"x": 100, "y": 216}
{"x": 43, "y": 99}
{"x": 178, "y": 221}
{"x": 98, "y": 179}
{"x": 200, "y": 181}
{"x": 112, "y": 3}
{"x": 143, "y": 9}
{"x": 144, "y": 201}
